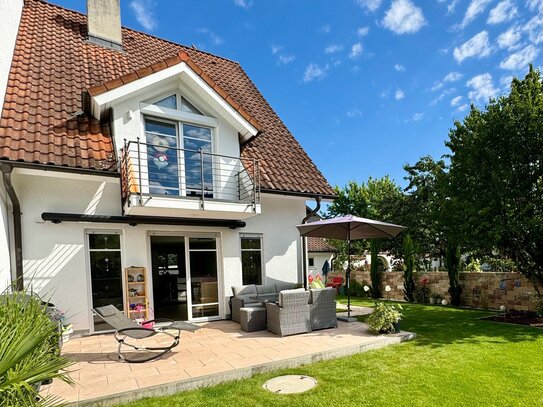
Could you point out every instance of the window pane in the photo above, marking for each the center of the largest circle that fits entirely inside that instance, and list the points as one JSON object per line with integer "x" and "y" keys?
{"x": 169, "y": 102}
{"x": 106, "y": 282}
{"x": 186, "y": 106}
{"x": 200, "y": 133}
{"x": 162, "y": 157}
{"x": 104, "y": 241}
{"x": 250, "y": 243}
{"x": 202, "y": 243}
{"x": 203, "y": 274}
{"x": 195, "y": 139}
{"x": 251, "y": 266}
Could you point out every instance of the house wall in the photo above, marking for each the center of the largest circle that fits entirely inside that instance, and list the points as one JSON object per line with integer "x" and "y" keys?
{"x": 319, "y": 259}
{"x": 5, "y": 258}
{"x": 10, "y": 10}
{"x": 55, "y": 255}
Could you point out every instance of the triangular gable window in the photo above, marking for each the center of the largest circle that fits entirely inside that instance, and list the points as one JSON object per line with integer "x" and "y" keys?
{"x": 169, "y": 102}
{"x": 188, "y": 107}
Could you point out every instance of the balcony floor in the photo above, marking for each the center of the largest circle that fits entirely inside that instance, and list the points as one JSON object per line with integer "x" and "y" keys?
{"x": 216, "y": 353}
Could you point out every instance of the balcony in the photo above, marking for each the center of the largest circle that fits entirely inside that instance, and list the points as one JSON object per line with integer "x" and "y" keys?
{"x": 159, "y": 180}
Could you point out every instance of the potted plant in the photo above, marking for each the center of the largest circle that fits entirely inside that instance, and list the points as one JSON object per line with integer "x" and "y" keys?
{"x": 385, "y": 318}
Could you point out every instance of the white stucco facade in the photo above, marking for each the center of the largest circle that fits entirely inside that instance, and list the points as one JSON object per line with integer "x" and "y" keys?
{"x": 319, "y": 258}
{"x": 56, "y": 257}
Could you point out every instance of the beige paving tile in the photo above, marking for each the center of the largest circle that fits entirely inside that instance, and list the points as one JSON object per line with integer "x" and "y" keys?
{"x": 218, "y": 347}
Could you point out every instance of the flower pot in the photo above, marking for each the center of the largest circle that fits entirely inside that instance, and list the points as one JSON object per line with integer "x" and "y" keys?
{"x": 432, "y": 300}
{"x": 396, "y": 326}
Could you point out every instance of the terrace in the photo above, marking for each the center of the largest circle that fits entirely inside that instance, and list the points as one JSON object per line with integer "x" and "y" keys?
{"x": 218, "y": 352}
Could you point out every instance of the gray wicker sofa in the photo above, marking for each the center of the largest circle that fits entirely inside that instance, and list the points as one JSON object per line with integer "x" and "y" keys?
{"x": 243, "y": 296}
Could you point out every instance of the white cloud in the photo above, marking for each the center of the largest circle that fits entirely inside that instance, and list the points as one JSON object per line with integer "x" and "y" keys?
{"x": 403, "y": 17}
{"x": 482, "y": 87}
{"x": 510, "y": 38}
{"x": 276, "y": 48}
{"x": 399, "y": 95}
{"x": 243, "y": 3}
{"x": 505, "y": 81}
{"x": 143, "y": 10}
{"x": 462, "y": 108}
{"x": 535, "y": 5}
{"x": 362, "y": 31}
{"x": 521, "y": 59}
{"x": 418, "y": 116}
{"x": 475, "y": 8}
{"x": 326, "y": 28}
{"x": 286, "y": 59}
{"x": 436, "y": 86}
{"x": 214, "y": 38}
{"x": 354, "y": 113}
{"x": 333, "y": 48}
{"x": 282, "y": 58}
{"x": 442, "y": 95}
{"x": 356, "y": 50}
{"x": 451, "y": 7}
{"x": 534, "y": 28}
{"x": 456, "y": 101}
{"x": 453, "y": 77}
{"x": 504, "y": 11}
{"x": 314, "y": 71}
{"x": 370, "y": 5}
{"x": 399, "y": 68}
{"x": 478, "y": 46}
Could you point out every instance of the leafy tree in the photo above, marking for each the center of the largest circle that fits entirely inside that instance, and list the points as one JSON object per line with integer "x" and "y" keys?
{"x": 453, "y": 269}
{"x": 495, "y": 181}
{"x": 375, "y": 273}
{"x": 423, "y": 209}
{"x": 379, "y": 199}
{"x": 409, "y": 265}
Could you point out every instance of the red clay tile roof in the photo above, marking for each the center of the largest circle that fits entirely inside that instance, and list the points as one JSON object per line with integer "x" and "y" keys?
{"x": 181, "y": 56}
{"x": 319, "y": 244}
{"x": 53, "y": 64}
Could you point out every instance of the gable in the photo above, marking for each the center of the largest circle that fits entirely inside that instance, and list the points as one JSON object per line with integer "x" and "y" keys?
{"x": 179, "y": 70}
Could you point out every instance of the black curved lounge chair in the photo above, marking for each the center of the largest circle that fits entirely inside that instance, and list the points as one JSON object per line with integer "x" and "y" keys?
{"x": 127, "y": 329}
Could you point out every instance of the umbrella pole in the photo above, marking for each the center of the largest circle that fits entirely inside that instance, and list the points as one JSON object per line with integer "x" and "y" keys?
{"x": 349, "y": 275}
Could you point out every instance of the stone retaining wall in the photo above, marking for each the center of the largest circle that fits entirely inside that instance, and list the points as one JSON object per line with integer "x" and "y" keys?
{"x": 479, "y": 290}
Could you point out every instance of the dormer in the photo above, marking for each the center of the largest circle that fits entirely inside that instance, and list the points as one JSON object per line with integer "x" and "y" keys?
{"x": 178, "y": 137}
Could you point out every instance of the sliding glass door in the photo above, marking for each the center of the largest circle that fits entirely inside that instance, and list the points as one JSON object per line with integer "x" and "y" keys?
{"x": 185, "y": 277}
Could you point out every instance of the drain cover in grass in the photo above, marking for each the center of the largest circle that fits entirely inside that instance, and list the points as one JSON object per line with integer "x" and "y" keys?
{"x": 290, "y": 384}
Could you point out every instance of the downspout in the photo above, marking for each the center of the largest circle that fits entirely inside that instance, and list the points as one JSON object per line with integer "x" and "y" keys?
{"x": 17, "y": 235}
{"x": 304, "y": 240}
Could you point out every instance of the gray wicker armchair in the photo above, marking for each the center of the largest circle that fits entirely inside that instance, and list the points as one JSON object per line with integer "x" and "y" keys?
{"x": 291, "y": 315}
{"x": 243, "y": 297}
{"x": 323, "y": 308}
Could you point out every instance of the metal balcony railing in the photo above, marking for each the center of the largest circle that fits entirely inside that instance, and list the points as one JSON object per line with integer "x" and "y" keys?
{"x": 149, "y": 170}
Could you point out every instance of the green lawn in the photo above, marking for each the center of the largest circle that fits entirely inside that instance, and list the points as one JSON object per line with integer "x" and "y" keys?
{"x": 456, "y": 360}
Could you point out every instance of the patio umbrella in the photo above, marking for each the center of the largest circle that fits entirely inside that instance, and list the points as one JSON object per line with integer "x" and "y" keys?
{"x": 349, "y": 228}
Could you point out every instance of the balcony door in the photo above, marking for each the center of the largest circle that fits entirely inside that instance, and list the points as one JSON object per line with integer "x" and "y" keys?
{"x": 179, "y": 167}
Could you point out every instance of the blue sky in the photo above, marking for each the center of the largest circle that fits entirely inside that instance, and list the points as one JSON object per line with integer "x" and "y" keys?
{"x": 366, "y": 86}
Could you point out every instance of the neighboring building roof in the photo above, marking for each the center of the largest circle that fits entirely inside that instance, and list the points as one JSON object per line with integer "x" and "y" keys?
{"x": 319, "y": 244}
{"x": 53, "y": 64}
